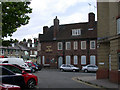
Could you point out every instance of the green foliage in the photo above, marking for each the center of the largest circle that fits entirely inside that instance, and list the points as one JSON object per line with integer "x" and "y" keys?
{"x": 14, "y": 15}
{"x": 8, "y": 42}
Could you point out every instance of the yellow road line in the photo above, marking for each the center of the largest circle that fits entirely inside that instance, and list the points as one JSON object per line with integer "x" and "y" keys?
{"x": 75, "y": 79}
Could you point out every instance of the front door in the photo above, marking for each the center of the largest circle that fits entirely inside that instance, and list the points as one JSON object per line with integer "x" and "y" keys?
{"x": 60, "y": 61}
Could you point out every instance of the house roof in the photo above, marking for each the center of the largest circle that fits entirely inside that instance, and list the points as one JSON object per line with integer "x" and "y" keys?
{"x": 65, "y": 32}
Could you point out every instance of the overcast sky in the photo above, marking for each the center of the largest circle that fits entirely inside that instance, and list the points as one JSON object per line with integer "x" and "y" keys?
{"x": 44, "y": 11}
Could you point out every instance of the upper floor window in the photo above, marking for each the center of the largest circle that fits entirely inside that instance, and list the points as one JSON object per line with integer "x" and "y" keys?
{"x": 118, "y": 26}
{"x": 31, "y": 52}
{"x": 68, "y": 45}
{"x": 35, "y": 52}
{"x": 60, "y": 46}
{"x": 33, "y": 45}
{"x": 92, "y": 44}
{"x": 83, "y": 44}
{"x": 39, "y": 47}
{"x": 28, "y": 44}
{"x": 13, "y": 44}
{"x": 76, "y": 32}
{"x": 75, "y": 45}
{"x": 26, "y": 52}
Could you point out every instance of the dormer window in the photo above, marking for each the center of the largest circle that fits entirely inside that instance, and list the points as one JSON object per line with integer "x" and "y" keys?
{"x": 76, "y": 32}
{"x": 90, "y": 28}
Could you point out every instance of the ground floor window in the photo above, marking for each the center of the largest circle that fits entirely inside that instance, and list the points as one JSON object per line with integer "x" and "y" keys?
{"x": 83, "y": 59}
{"x": 75, "y": 59}
{"x": 92, "y": 59}
{"x": 43, "y": 59}
{"x": 119, "y": 61}
{"x": 39, "y": 61}
{"x": 68, "y": 61}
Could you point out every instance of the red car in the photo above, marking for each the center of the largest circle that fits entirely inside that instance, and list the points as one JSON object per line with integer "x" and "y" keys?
{"x": 30, "y": 80}
{"x": 9, "y": 87}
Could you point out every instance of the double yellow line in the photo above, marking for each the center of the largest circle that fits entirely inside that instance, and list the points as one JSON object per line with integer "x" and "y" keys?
{"x": 94, "y": 86}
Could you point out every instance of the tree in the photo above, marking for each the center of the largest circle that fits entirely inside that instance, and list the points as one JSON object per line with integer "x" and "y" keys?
{"x": 14, "y": 15}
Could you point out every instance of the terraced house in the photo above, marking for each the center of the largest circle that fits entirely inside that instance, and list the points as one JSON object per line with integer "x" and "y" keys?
{"x": 69, "y": 43}
{"x": 23, "y": 49}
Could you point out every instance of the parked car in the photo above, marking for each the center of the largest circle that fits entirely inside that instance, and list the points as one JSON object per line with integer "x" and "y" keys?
{"x": 9, "y": 77}
{"x": 18, "y": 61}
{"x": 90, "y": 68}
{"x": 25, "y": 69}
{"x": 68, "y": 67}
{"x": 30, "y": 80}
{"x": 33, "y": 67}
{"x": 39, "y": 66}
{"x": 9, "y": 87}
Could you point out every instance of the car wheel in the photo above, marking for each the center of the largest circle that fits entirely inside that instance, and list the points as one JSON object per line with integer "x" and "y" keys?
{"x": 61, "y": 70}
{"x": 74, "y": 70}
{"x": 86, "y": 70}
{"x": 31, "y": 83}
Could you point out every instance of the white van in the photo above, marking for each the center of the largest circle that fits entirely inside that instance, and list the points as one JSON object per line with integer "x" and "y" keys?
{"x": 18, "y": 61}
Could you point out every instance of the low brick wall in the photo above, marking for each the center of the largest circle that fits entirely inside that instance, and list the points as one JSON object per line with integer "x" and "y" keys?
{"x": 114, "y": 76}
{"x": 102, "y": 74}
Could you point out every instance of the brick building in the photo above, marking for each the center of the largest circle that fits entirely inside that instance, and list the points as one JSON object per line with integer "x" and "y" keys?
{"x": 68, "y": 43}
{"x": 108, "y": 41}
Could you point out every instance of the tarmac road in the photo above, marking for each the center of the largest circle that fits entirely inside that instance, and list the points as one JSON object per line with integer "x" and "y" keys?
{"x": 54, "y": 78}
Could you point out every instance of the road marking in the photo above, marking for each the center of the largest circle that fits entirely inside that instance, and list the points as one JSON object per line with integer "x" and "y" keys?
{"x": 75, "y": 79}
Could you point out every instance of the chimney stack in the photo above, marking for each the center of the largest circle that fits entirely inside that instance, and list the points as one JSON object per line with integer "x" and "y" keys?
{"x": 45, "y": 29}
{"x": 91, "y": 19}
{"x": 56, "y": 27}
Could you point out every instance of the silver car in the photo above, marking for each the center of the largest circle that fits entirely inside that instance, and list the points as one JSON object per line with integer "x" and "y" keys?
{"x": 90, "y": 67}
{"x": 68, "y": 67}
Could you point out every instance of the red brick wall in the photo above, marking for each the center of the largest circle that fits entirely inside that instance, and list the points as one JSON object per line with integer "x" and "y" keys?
{"x": 114, "y": 76}
{"x": 102, "y": 74}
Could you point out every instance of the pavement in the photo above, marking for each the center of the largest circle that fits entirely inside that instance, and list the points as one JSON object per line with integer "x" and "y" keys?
{"x": 102, "y": 83}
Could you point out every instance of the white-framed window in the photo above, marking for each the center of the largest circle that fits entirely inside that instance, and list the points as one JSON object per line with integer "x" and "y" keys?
{"x": 60, "y": 46}
{"x": 26, "y": 52}
{"x": 93, "y": 59}
{"x": 2, "y": 52}
{"x": 35, "y": 52}
{"x": 83, "y": 44}
{"x": 43, "y": 60}
{"x": 92, "y": 44}
{"x": 75, "y": 59}
{"x": 118, "y": 26}
{"x": 39, "y": 47}
{"x": 13, "y": 45}
{"x": 28, "y": 44}
{"x": 75, "y": 45}
{"x": 76, "y": 32}
{"x": 68, "y": 45}
{"x": 68, "y": 60}
{"x": 83, "y": 59}
{"x": 33, "y": 45}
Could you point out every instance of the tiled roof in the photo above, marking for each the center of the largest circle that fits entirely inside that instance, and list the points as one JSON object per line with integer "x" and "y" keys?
{"x": 65, "y": 32}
